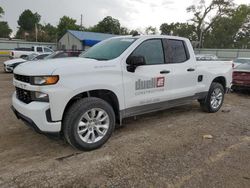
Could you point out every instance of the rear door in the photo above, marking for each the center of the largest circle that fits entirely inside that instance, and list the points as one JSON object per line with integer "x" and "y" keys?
{"x": 183, "y": 78}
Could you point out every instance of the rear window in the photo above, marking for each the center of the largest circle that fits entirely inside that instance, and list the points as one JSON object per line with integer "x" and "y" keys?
{"x": 245, "y": 66}
{"x": 39, "y": 49}
{"x": 242, "y": 60}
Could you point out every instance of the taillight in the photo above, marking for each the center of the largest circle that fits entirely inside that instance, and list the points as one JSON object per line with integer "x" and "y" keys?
{"x": 12, "y": 54}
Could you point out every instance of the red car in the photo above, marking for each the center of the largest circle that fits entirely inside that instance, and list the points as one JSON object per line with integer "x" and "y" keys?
{"x": 241, "y": 77}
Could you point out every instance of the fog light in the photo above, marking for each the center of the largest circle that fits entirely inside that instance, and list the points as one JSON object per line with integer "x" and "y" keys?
{"x": 39, "y": 96}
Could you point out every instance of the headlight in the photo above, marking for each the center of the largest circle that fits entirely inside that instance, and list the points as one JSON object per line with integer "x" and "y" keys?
{"x": 45, "y": 80}
{"x": 39, "y": 96}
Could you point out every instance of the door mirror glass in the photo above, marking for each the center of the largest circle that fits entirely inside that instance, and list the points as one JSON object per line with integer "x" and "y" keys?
{"x": 135, "y": 61}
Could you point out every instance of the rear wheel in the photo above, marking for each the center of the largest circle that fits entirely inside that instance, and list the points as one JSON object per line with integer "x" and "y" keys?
{"x": 214, "y": 99}
{"x": 89, "y": 123}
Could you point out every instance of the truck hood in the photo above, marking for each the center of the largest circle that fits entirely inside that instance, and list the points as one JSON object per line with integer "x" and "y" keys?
{"x": 12, "y": 61}
{"x": 60, "y": 65}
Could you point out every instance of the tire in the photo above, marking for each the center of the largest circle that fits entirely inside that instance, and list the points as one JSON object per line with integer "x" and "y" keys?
{"x": 81, "y": 126}
{"x": 235, "y": 89}
{"x": 207, "y": 104}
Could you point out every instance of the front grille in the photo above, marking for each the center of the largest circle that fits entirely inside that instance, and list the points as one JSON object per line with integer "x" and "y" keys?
{"x": 24, "y": 95}
{"x": 22, "y": 78}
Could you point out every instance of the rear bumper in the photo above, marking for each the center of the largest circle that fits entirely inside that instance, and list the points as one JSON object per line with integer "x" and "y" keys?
{"x": 242, "y": 86}
{"x": 35, "y": 115}
{"x": 241, "y": 83}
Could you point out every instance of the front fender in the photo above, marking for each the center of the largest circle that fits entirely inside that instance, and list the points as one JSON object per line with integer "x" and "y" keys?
{"x": 69, "y": 87}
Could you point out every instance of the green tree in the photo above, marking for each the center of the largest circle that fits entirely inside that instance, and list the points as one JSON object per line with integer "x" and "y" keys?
{"x": 151, "y": 30}
{"x": 179, "y": 29}
{"x": 230, "y": 31}
{"x": 66, "y": 23}
{"x": 107, "y": 25}
{"x": 241, "y": 19}
{"x": 205, "y": 16}
{"x": 134, "y": 32}
{"x": 27, "y": 20}
{"x": 124, "y": 31}
{"x": 5, "y": 30}
{"x": 47, "y": 33}
{"x": 1, "y": 12}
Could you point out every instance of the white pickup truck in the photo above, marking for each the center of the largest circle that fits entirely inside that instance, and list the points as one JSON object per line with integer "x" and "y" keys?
{"x": 24, "y": 52}
{"x": 83, "y": 98}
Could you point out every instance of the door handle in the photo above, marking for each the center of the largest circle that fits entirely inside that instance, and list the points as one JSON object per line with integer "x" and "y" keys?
{"x": 164, "y": 72}
{"x": 190, "y": 69}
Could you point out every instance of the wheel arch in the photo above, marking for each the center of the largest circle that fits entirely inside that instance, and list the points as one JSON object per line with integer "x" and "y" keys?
{"x": 221, "y": 80}
{"x": 107, "y": 95}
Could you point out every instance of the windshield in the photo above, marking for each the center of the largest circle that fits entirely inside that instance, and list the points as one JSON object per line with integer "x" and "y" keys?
{"x": 109, "y": 49}
{"x": 242, "y": 60}
{"x": 51, "y": 56}
{"x": 30, "y": 57}
{"x": 244, "y": 66}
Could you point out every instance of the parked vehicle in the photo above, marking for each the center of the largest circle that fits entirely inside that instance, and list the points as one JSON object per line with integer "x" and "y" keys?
{"x": 24, "y": 52}
{"x": 240, "y": 60}
{"x": 206, "y": 57}
{"x": 83, "y": 98}
{"x": 241, "y": 77}
{"x": 11, "y": 64}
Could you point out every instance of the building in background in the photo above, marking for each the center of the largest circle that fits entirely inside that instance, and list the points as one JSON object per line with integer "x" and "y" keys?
{"x": 81, "y": 40}
{"x": 10, "y": 44}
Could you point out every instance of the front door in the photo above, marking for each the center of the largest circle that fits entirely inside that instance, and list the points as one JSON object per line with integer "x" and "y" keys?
{"x": 148, "y": 84}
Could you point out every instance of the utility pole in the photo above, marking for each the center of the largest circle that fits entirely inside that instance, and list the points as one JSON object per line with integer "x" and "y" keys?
{"x": 81, "y": 22}
{"x": 36, "y": 31}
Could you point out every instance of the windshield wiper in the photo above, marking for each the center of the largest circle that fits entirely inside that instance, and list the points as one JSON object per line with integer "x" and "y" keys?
{"x": 98, "y": 59}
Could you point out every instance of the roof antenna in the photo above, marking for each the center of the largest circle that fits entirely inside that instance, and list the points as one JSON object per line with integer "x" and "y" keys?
{"x": 81, "y": 23}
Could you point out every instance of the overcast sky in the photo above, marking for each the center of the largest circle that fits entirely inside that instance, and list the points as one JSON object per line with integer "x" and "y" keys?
{"x": 134, "y": 14}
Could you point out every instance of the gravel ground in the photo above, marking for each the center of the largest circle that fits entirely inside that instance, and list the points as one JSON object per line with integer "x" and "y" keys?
{"x": 163, "y": 149}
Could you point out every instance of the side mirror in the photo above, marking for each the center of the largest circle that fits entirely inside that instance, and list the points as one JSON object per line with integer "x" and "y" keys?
{"x": 135, "y": 61}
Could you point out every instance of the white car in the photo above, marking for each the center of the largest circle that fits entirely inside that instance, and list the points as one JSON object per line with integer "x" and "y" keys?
{"x": 24, "y": 52}
{"x": 83, "y": 98}
{"x": 9, "y": 65}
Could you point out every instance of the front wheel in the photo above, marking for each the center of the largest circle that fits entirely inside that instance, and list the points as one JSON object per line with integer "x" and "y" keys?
{"x": 89, "y": 123}
{"x": 214, "y": 99}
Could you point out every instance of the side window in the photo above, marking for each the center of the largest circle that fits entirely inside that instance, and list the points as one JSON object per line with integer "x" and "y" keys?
{"x": 39, "y": 49}
{"x": 47, "y": 50}
{"x": 175, "y": 51}
{"x": 152, "y": 51}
